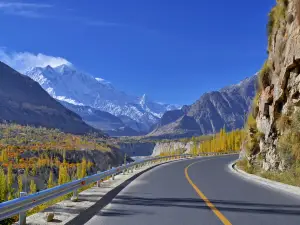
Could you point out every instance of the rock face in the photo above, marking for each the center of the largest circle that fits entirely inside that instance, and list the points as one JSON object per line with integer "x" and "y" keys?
{"x": 171, "y": 147}
{"x": 154, "y": 148}
{"x": 137, "y": 148}
{"x": 211, "y": 112}
{"x": 23, "y": 101}
{"x": 279, "y": 96}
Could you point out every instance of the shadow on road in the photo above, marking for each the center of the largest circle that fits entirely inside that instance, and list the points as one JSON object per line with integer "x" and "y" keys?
{"x": 222, "y": 205}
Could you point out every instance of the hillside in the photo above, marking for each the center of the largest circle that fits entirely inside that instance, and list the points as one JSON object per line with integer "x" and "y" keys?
{"x": 214, "y": 110}
{"x": 23, "y": 101}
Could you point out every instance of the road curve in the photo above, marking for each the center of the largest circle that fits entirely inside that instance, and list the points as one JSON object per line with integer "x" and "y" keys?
{"x": 197, "y": 191}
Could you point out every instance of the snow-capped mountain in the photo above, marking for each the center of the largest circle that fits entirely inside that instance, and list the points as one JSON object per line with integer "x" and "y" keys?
{"x": 66, "y": 83}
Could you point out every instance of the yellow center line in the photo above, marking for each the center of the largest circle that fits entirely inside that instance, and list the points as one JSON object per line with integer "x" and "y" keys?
{"x": 223, "y": 219}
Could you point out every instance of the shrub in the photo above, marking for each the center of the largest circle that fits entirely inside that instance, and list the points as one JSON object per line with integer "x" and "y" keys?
{"x": 253, "y": 136}
{"x": 244, "y": 164}
{"x": 283, "y": 123}
{"x": 264, "y": 76}
{"x": 255, "y": 107}
{"x": 289, "y": 143}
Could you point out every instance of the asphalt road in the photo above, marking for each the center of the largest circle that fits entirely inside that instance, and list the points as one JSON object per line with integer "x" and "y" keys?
{"x": 173, "y": 194}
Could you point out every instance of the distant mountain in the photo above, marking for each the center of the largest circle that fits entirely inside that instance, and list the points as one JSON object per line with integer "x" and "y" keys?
{"x": 23, "y": 101}
{"x": 67, "y": 84}
{"x": 214, "y": 110}
{"x": 140, "y": 127}
{"x": 96, "y": 118}
{"x": 123, "y": 131}
{"x": 104, "y": 121}
{"x": 184, "y": 126}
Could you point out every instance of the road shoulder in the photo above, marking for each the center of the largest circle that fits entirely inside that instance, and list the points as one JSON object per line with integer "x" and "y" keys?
{"x": 270, "y": 184}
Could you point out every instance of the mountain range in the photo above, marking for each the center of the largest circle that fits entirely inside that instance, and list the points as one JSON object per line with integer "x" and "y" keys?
{"x": 227, "y": 107}
{"x": 67, "y": 84}
{"x": 103, "y": 107}
{"x": 24, "y": 101}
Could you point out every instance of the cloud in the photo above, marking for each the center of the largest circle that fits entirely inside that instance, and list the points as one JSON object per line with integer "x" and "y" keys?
{"x": 32, "y": 10}
{"x": 21, "y": 5}
{"x": 38, "y": 10}
{"x": 22, "y": 61}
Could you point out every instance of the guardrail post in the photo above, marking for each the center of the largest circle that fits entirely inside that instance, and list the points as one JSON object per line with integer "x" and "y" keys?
{"x": 22, "y": 215}
{"x": 74, "y": 198}
{"x": 99, "y": 181}
{"x": 113, "y": 177}
{"x": 124, "y": 171}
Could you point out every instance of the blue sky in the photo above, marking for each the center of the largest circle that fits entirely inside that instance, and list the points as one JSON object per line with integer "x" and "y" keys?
{"x": 172, "y": 50}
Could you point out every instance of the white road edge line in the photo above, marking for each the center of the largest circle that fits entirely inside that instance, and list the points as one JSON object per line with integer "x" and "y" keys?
{"x": 293, "y": 191}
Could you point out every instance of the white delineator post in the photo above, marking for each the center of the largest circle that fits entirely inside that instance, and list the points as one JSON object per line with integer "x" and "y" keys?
{"x": 22, "y": 215}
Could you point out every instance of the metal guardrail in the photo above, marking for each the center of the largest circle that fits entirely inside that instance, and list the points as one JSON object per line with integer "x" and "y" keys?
{"x": 22, "y": 204}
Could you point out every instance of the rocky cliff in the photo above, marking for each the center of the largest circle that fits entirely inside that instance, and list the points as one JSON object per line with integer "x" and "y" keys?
{"x": 273, "y": 132}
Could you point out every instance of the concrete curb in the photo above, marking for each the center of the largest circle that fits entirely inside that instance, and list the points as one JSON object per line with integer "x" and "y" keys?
{"x": 273, "y": 185}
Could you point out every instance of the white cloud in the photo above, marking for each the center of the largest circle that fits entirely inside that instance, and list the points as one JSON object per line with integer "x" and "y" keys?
{"x": 23, "y": 61}
{"x": 32, "y": 10}
{"x": 22, "y": 5}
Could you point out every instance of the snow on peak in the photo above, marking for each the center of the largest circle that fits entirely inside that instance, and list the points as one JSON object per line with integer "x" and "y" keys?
{"x": 143, "y": 100}
{"x": 99, "y": 79}
{"x": 68, "y": 84}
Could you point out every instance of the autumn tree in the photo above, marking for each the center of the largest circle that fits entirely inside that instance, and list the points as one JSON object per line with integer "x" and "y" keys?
{"x": 32, "y": 187}
{"x": 10, "y": 182}
{"x": 20, "y": 183}
{"x": 63, "y": 176}
{"x": 3, "y": 185}
{"x": 50, "y": 180}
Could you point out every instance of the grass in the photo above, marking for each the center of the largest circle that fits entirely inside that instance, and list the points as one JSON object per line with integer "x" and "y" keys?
{"x": 244, "y": 164}
{"x": 291, "y": 176}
